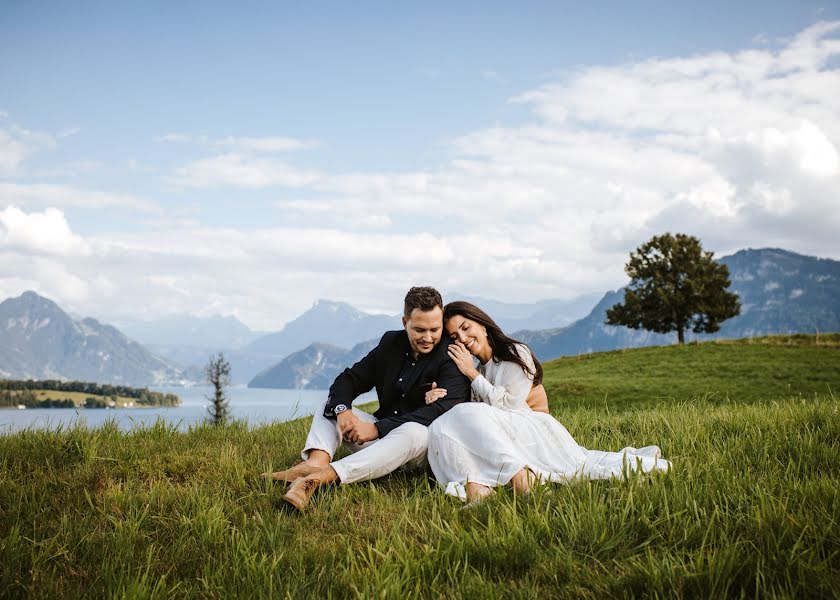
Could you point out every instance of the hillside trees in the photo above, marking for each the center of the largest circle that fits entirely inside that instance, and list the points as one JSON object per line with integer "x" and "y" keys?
{"x": 675, "y": 286}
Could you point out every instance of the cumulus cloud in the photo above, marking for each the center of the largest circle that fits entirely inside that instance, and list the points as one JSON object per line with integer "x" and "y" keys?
{"x": 745, "y": 140}
{"x": 39, "y": 233}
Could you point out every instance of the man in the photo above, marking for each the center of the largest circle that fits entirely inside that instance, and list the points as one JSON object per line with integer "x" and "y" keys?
{"x": 402, "y": 367}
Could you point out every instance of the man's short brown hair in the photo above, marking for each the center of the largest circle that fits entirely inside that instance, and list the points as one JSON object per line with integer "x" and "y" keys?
{"x": 423, "y": 298}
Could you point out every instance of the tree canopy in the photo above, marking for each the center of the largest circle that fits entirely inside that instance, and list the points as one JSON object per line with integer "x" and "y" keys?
{"x": 675, "y": 286}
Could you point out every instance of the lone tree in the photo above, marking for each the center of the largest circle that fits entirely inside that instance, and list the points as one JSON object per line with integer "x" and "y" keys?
{"x": 675, "y": 285}
{"x": 218, "y": 376}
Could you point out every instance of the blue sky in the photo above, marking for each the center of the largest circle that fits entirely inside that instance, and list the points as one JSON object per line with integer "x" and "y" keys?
{"x": 160, "y": 158}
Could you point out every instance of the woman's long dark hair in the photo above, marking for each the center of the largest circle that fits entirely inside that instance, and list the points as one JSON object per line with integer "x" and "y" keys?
{"x": 504, "y": 347}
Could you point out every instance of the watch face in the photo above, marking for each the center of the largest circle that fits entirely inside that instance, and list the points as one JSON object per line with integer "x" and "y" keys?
{"x": 340, "y": 409}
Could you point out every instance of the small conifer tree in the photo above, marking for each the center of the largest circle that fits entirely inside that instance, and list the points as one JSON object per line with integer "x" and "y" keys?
{"x": 218, "y": 376}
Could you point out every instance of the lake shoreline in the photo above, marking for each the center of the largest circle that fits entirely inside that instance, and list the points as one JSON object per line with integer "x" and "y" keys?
{"x": 253, "y": 405}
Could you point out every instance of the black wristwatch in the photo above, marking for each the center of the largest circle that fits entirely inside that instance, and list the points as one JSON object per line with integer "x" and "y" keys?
{"x": 339, "y": 409}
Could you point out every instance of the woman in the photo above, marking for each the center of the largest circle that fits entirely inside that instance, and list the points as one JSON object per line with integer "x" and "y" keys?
{"x": 497, "y": 439}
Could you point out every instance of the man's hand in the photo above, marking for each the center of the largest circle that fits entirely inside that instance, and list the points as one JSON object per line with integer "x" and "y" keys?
{"x": 346, "y": 421}
{"x": 361, "y": 432}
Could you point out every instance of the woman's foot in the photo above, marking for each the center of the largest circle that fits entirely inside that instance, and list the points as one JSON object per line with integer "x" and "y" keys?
{"x": 523, "y": 481}
{"x": 477, "y": 492}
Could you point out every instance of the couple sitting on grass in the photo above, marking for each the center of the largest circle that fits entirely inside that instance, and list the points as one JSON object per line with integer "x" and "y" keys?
{"x": 477, "y": 427}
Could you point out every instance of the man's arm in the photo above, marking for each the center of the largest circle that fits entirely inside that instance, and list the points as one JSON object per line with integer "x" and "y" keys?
{"x": 458, "y": 390}
{"x": 353, "y": 382}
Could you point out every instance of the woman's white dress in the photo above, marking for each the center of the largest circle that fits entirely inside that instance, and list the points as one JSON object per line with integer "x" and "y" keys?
{"x": 490, "y": 439}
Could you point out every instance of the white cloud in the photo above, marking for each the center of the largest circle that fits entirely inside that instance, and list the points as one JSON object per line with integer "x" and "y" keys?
{"x": 69, "y": 132}
{"x": 42, "y": 194}
{"x": 264, "y": 144}
{"x": 12, "y": 152}
{"x": 242, "y": 163}
{"x": 181, "y": 138}
{"x": 268, "y": 144}
{"x": 17, "y": 144}
{"x": 74, "y": 168}
{"x": 240, "y": 171}
{"x": 39, "y": 233}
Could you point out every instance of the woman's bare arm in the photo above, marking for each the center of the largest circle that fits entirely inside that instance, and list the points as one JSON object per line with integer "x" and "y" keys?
{"x": 537, "y": 399}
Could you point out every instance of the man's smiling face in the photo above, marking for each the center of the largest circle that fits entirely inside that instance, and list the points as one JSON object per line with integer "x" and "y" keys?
{"x": 424, "y": 328}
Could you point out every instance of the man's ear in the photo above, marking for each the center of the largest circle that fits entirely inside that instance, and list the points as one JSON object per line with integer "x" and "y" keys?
{"x": 405, "y": 321}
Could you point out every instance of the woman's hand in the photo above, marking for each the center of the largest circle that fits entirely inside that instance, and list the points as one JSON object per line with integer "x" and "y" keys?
{"x": 463, "y": 360}
{"x": 435, "y": 394}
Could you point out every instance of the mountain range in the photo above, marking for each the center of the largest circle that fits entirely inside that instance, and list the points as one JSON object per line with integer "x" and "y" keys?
{"x": 188, "y": 341}
{"x": 543, "y": 314}
{"x": 314, "y": 367}
{"x": 339, "y": 325}
{"x": 38, "y": 340}
{"x": 329, "y": 322}
{"x": 780, "y": 292}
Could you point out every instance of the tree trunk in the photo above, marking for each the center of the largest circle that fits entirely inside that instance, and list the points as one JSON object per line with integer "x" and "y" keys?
{"x": 680, "y": 336}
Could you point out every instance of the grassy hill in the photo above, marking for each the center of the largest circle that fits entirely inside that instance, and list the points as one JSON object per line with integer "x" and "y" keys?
{"x": 752, "y": 507}
{"x": 722, "y": 371}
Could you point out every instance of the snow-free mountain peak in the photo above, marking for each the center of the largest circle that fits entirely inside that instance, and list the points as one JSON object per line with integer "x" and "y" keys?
{"x": 38, "y": 340}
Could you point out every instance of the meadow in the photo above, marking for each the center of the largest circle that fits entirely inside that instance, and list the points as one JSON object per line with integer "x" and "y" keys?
{"x": 751, "y": 508}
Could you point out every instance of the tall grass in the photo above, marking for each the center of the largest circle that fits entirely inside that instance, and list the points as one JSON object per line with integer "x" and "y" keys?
{"x": 751, "y": 509}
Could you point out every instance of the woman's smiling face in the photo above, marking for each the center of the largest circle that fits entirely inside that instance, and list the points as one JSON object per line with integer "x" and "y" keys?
{"x": 473, "y": 335}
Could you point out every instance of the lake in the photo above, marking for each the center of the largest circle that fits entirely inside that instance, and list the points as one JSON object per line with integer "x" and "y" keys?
{"x": 257, "y": 406}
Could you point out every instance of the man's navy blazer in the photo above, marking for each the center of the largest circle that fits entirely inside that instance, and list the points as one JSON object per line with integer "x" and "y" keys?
{"x": 400, "y": 402}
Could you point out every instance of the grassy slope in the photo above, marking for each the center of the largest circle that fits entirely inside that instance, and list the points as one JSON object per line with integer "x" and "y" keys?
{"x": 723, "y": 371}
{"x": 752, "y": 506}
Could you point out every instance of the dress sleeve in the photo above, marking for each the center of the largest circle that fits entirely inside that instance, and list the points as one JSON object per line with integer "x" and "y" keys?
{"x": 510, "y": 385}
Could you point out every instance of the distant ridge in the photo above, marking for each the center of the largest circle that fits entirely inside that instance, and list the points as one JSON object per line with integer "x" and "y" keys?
{"x": 780, "y": 292}
{"x": 314, "y": 367}
{"x": 327, "y": 322}
{"x": 38, "y": 340}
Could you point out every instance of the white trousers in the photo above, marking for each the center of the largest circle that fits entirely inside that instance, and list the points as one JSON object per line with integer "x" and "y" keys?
{"x": 405, "y": 445}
